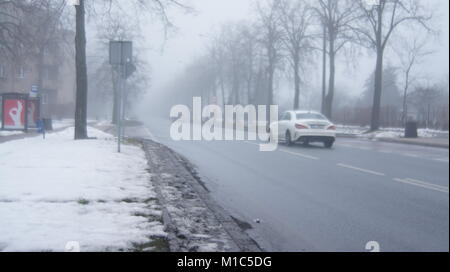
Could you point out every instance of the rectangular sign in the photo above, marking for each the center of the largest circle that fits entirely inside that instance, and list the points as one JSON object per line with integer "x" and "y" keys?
{"x": 14, "y": 113}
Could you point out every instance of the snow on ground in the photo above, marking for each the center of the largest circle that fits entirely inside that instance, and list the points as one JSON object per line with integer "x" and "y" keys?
{"x": 57, "y": 124}
{"x": 58, "y": 190}
{"x": 5, "y": 133}
{"x": 63, "y": 123}
{"x": 389, "y": 132}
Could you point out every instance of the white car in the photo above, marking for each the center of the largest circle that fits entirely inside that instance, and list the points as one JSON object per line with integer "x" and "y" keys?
{"x": 305, "y": 127}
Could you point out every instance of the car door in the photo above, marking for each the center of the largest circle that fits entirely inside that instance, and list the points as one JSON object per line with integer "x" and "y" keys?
{"x": 283, "y": 125}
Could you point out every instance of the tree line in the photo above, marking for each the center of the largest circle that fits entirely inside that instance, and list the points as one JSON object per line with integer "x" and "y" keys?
{"x": 291, "y": 38}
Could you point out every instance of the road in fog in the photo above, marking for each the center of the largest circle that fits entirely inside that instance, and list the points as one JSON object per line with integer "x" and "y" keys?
{"x": 315, "y": 199}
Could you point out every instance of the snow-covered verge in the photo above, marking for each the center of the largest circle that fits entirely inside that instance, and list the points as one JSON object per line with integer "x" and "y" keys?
{"x": 57, "y": 124}
{"x": 5, "y": 133}
{"x": 388, "y": 132}
{"x": 58, "y": 190}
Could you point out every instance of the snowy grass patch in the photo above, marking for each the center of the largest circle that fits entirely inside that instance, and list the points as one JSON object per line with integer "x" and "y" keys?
{"x": 58, "y": 190}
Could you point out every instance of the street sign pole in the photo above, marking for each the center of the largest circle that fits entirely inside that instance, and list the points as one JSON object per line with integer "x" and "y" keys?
{"x": 120, "y": 56}
{"x": 119, "y": 111}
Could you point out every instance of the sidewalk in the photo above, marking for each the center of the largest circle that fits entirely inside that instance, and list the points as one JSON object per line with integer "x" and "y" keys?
{"x": 147, "y": 198}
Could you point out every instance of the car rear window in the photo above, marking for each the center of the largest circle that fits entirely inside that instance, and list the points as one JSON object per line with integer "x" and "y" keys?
{"x": 310, "y": 116}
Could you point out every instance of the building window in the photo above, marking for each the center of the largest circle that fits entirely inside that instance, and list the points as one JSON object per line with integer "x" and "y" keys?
{"x": 2, "y": 72}
{"x": 21, "y": 72}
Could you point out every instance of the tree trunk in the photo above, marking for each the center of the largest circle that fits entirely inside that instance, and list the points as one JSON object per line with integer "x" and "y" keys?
{"x": 375, "y": 122}
{"x": 270, "y": 86}
{"x": 405, "y": 105}
{"x": 330, "y": 96}
{"x": 405, "y": 97}
{"x": 297, "y": 84}
{"x": 81, "y": 74}
{"x": 324, "y": 69}
{"x": 222, "y": 90}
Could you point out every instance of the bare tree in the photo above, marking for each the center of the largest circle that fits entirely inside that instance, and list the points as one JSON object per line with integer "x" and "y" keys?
{"x": 337, "y": 18}
{"x": 12, "y": 15}
{"x": 411, "y": 54}
{"x": 425, "y": 99}
{"x": 249, "y": 54}
{"x": 218, "y": 57}
{"x": 154, "y": 7}
{"x": 295, "y": 18}
{"x": 378, "y": 24}
{"x": 270, "y": 35}
{"x": 46, "y": 33}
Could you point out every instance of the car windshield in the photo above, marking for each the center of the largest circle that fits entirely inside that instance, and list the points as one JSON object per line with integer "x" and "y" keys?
{"x": 310, "y": 116}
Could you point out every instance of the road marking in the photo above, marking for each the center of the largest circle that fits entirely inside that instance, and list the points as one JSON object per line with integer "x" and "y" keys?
{"x": 423, "y": 184}
{"x": 292, "y": 153}
{"x": 300, "y": 155}
{"x": 441, "y": 160}
{"x": 361, "y": 169}
{"x": 410, "y": 155}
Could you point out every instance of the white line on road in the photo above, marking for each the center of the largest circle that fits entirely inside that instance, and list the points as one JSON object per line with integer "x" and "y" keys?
{"x": 411, "y": 155}
{"x": 291, "y": 153}
{"x": 300, "y": 155}
{"x": 361, "y": 169}
{"x": 442, "y": 160}
{"x": 423, "y": 184}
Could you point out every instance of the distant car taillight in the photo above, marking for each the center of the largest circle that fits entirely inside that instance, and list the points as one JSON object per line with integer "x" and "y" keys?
{"x": 332, "y": 128}
{"x": 299, "y": 126}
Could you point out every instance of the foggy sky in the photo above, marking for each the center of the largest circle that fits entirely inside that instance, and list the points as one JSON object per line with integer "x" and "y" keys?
{"x": 193, "y": 34}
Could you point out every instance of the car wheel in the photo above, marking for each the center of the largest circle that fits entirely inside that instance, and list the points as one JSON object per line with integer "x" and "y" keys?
{"x": 288, "y": 138}
{"x": 328, "y": 144}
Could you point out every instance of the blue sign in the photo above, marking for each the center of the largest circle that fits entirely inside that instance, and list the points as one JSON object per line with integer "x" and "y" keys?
{"x": 34, "y": 91}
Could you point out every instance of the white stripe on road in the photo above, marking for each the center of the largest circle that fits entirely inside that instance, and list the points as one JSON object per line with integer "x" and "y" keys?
{"x": 291, "y": 153}
{"x": 300, "y": 155}
{"x": 410, "y": 155}
{"x": 361, "y": 169}
{"x": 423, "y": 184}
{"x": 442, "y": 160}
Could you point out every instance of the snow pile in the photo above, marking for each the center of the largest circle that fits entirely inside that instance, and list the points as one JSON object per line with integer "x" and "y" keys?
{"x": 5, "y": 133}
{"x": 58, "y": 190}
{"x": 400, "y": 133}
{"x": 360, "y": 131}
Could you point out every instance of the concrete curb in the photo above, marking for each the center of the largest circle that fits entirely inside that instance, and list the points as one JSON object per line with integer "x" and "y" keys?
{"x": 243, "y": 242}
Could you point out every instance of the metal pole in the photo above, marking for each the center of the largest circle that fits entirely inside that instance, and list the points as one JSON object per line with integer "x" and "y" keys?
{"x": 119, "y": 109}
{"x": 122, "y": 102}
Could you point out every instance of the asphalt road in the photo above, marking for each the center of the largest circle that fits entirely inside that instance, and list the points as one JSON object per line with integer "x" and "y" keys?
{"x": 316, "y": 199}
